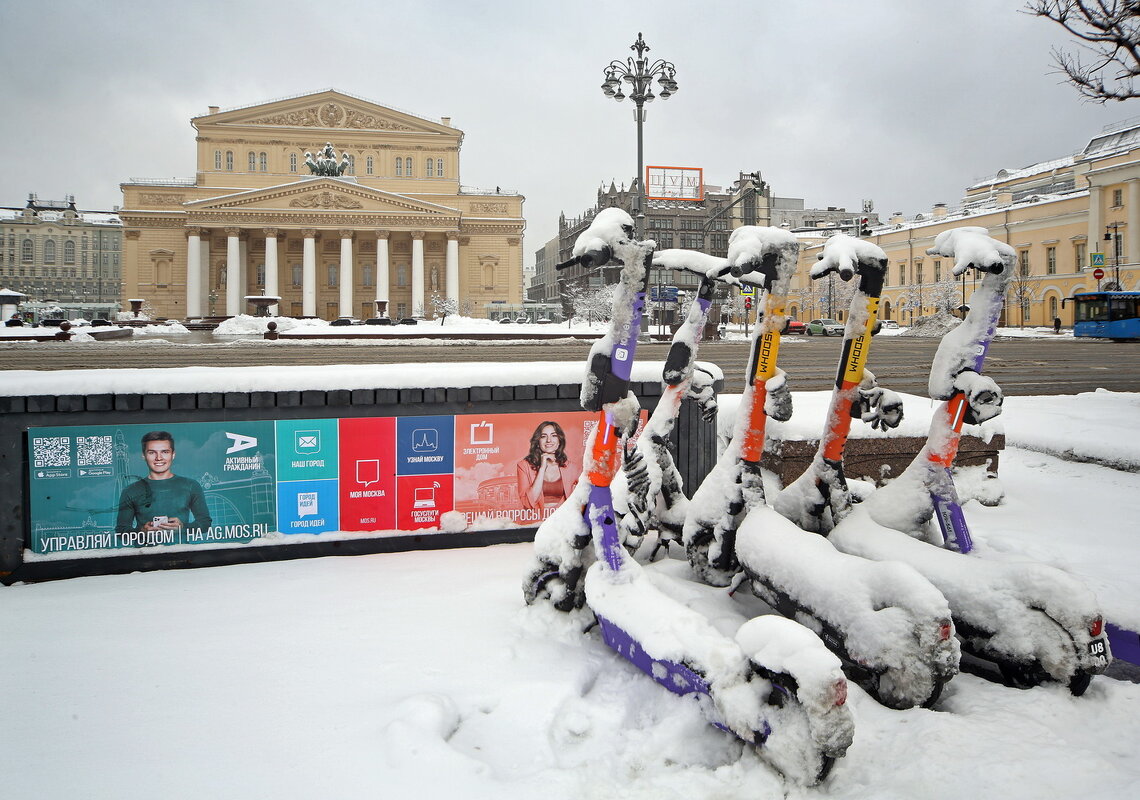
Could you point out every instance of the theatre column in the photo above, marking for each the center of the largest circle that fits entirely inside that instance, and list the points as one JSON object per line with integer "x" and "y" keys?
{"x": 193, "y": 273}
{"x": 453, "y": 267}
{"x": 271, "y": 281}
{"x": 346, "y": 276}
{"x": 203, "y": 297}
{"x": 382, "y": 270}
{"x": 418, "y": 308}
{"x": 233, "y": 272}
{"x": 309, "y": 274}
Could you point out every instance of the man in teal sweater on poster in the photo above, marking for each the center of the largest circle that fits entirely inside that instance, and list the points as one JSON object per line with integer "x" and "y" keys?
{"x": 161, "y": 501}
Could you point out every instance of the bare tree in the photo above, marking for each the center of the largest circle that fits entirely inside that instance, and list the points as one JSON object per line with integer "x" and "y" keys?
{"x": 807, "y": 298}
{"x": 834, "y": 295}
{"x": 1110, "y": 31}
{"x": 1023, "y": 291}
{"x": 734, "y": 307}
{"x": 944, "y": 294}
{"x": 913, "y": 300}
{"x": 442, "y": 306}
{"x": 590, "y": 304}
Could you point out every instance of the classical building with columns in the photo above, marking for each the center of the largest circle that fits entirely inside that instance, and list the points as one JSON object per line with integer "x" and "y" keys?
{"x": 379, "y": 219}
{"x": 1066, "y": 218}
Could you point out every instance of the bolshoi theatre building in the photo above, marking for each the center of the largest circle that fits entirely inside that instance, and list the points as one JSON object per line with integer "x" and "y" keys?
{"x": 336, "y": 205}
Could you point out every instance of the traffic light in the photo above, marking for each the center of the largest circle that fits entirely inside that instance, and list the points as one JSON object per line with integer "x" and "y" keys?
{"x": 747, "y": 303}
{"x": 865, "y": 227}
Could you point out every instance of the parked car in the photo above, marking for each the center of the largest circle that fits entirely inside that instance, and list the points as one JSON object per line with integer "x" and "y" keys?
{"x": 507, "y": 321}
{"x": 341, "y": 321}
{"x": 409, "y": 321}
{"x": 890, "y": 323}
{"x": 824, "y": 327}
{"x": 379, "y": 321}
{"x": 795, "y": 326}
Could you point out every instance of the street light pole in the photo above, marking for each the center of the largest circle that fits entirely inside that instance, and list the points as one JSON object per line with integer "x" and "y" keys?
{"x": 639, "y": 74}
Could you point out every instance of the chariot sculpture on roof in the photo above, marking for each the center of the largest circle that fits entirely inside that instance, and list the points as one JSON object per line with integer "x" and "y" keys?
{"x": 325, "y": 163}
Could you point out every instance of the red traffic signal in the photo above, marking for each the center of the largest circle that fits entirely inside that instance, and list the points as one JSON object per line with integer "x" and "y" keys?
{"x": 747, "y": 303}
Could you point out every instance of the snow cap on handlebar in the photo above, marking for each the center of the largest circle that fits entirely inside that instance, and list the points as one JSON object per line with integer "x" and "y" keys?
{"x": 758, "y": 256}
{"x": 972, "y": 246}
{"x": 595, "y": 245}
{"x": 847, "y": 255}
{"x": 610, "y": 227}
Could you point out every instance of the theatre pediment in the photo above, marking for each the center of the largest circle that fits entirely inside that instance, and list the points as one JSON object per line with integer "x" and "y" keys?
{"x": 321, "y": 194}
{"x": 326, "y": 110}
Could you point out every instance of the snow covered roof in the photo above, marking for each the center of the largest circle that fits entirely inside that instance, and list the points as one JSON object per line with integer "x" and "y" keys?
{"x": 960, "y": 215}
{"x": 1040, "y": 168}
{"x": 89, "y": 217}
{"x": 1117, "y": 138}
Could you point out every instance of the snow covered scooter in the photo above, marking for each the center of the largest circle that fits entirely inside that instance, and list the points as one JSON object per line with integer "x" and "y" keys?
{"x": 773, "y": 684}
{"x": 649, "y": 490}
{"x": 1035, "y": 622}
{"x": 890, "y": 627}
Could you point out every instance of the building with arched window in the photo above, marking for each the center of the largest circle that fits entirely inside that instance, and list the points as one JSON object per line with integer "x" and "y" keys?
{"x": 55, "y": 253}
{"x": 411, "y": 234}
{"x": 1065, "y": 218}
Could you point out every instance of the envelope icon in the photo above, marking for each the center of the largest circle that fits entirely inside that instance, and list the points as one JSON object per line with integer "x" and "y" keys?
{"x": 307, "y": 441}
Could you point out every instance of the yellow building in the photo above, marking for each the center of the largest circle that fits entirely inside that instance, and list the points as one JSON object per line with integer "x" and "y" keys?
{"x": 391, "y": 226}
{"x": 1058, "y": 215}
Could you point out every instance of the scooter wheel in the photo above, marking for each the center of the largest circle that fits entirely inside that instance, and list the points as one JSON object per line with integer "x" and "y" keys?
{"x": 1079, "y": 683}
{"x": 1023, "y": 676}
{"x": 715, "y": 573}
{"x": 825, "y": 765}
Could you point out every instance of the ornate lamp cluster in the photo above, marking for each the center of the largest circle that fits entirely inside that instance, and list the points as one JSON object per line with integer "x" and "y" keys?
{"x": 639, "y": 74}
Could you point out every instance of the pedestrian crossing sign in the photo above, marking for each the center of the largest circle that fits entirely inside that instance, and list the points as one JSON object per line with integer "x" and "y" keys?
{"x": 748, "y": 291}
{"x": 1097, "y": 259}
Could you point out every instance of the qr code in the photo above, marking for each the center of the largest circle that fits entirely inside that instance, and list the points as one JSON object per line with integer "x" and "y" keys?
{"x": 93, "y": 450}
{"x": 51, "y": 451}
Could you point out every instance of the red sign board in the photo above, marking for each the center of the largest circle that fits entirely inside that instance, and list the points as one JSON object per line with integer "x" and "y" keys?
{"x": 1098, "y": 273}
{"x": 368, "y": 474}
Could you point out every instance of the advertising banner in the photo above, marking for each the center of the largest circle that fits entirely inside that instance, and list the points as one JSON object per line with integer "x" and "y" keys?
{"x": 517, "y": 467}
{"x": 100, "y": 490}
{"x": 116, "y": 486}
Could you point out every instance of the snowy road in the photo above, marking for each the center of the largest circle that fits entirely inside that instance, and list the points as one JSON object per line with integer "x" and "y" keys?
{"x": 1029, "y": 366}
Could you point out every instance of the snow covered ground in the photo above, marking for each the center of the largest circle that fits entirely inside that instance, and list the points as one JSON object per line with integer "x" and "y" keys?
{"x": 423, "y": 674}
{"x": 247, "y": 325}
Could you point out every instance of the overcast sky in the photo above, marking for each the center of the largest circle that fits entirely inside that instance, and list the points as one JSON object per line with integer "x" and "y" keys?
{"x": 902, "y": 102}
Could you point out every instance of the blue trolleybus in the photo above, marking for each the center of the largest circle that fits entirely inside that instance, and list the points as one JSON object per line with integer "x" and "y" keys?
{"x": 1107, "y": 315}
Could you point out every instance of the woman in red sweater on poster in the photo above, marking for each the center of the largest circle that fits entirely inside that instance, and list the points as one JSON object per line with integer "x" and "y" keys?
{"x": 541, "y": 483}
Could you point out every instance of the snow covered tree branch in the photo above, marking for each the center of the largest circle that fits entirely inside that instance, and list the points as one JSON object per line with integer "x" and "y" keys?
{"x": 1110, "y": 30}
{"x": 442, "y": 306}
{"x": 1022, "y": 293}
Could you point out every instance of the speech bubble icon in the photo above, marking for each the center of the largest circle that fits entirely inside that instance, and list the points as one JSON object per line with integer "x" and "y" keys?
{"x": 306, "y": 504}
{"x": 368, "y": 471}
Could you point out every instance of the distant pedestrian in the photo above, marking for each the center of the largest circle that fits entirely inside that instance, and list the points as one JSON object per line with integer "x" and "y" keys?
{"x": 1056, "y": 324}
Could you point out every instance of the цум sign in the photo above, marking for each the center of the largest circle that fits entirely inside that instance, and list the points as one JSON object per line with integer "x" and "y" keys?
{"x": 675, "y": 183}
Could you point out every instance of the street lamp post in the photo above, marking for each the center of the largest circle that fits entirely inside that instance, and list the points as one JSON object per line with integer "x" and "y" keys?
{"x": 1114, "y": 237}
{"x": 639, "y": 74}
